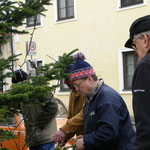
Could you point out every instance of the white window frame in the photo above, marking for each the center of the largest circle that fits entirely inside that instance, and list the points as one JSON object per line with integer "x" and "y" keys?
{"x": 37, "y": 59}
{"x": 129, "y": 7}
{"x": 121, "y": 72}
{"x": 56, "y": 21}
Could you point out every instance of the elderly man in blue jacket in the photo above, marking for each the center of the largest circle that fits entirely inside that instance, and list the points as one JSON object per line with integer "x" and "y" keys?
{"x": 107, "y": 124}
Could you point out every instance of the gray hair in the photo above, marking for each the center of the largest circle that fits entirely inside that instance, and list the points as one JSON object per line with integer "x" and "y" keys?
{"x": 138, "y": 36}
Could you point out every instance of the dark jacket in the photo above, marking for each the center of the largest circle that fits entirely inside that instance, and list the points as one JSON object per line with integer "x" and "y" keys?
{"x": 40, "y": 121}
{"x": 141, "y": 103}
{"x": 107, "y": 122}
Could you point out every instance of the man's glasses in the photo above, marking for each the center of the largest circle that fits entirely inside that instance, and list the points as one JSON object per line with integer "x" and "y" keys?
{"x": 77, "y": 85}
{"x": 133, "y": 44}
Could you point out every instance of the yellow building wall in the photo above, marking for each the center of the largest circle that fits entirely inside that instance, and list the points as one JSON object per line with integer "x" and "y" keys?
{"x": 6, "y": 52}
{"x": 98, "y": 31}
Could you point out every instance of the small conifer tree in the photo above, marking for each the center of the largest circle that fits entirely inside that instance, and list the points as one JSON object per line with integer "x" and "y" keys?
{"x": 12, "y": 15}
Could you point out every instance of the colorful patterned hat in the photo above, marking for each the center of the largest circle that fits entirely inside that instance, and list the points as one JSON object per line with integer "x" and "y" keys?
{"x": 81, "y": 68}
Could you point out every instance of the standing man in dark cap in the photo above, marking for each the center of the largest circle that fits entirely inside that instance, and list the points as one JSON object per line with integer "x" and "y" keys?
{"x": 140, "y": 41}
{"x": 107, "y": 124}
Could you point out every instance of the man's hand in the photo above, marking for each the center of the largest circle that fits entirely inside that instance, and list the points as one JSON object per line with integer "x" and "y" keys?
{"x": 79, "y": 143}
{"x": 60, "y": 138}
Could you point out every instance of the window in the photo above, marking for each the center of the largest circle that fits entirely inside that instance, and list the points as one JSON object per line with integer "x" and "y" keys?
{"x": 128, "y": 60}
{"x": 33, "y": 21}
{"x": 65, "y": 9}
{"x": 39, "y": 63}
{"x": 63, "y": 86}
{"x": 31, "y": 65}
{"x": 127, "y": 3}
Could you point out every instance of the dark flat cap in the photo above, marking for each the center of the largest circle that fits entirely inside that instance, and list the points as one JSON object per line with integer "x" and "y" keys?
{"x": 139, "y": 25}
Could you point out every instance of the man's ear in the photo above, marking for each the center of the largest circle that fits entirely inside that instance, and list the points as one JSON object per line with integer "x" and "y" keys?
{"x": 90, "y": 78}
{"x": 146, "y": 40}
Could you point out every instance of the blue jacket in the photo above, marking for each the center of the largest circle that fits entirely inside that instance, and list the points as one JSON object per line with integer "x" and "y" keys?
{"x": 107, "y": 124}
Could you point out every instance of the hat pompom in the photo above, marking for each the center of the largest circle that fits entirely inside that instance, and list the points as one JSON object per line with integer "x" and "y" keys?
{"x": 79, "y": 55}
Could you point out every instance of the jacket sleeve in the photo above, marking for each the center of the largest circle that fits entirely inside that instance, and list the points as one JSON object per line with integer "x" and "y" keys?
{"x": 73, "y": 125}
{"x": 141, "y": 106}
{"x": 49, "y": 112}
{"x": 71, "y": 106}
{"x": 108, "y": 128}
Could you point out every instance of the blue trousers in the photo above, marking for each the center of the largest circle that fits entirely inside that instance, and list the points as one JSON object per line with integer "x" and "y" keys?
{"x": 47, "y": 146}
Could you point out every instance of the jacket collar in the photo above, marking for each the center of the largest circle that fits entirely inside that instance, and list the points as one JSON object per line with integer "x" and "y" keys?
{"x": 95, "y": 89}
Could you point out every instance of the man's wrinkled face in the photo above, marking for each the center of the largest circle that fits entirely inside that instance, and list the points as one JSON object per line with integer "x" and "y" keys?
{"x": 83, "y": 85}
{"x": 140, "y": 45}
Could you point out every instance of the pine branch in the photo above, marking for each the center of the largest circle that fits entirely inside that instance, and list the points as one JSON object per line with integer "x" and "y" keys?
{"x": 12, "y": 14}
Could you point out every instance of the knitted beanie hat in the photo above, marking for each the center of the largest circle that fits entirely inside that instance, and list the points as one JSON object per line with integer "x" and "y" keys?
{"x": 69, "y": 68}
{"x": 81, "y": 68}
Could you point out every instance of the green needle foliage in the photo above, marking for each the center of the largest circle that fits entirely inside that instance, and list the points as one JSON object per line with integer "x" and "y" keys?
{"x": 35, "y": 89}
{"x": 7, "y": 134}
{"x": 12, "y": 15}
{"x": 6, "y": 64}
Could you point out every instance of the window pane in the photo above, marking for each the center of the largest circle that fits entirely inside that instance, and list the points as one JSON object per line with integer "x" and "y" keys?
{"x": 31, "y": 20}
{"x": 62, "y": 13}
{"x": 70, "y": 2}
{"x": 39, "y": 63}
{"x": 70, "y": 12}
{"x": 125, "y": 3}
{"x": 65, "y": 9}
{"x": 62, "y": 3}
{"x": 130, "y": 60}
{"x": 130, "y": 70}
{"x": 129, "y": 81}
{"x": 130, "y": 64}
{"x": 38, "y": 19}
